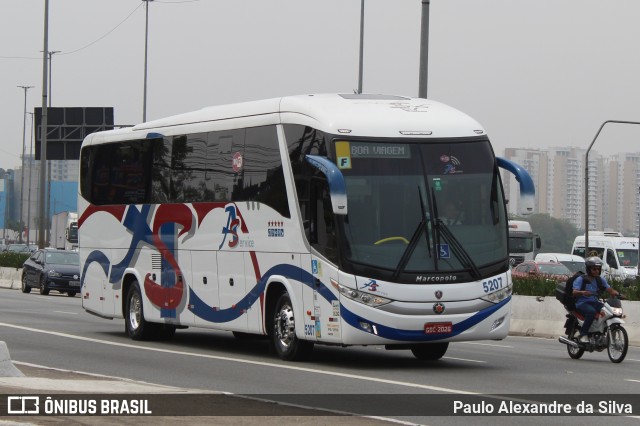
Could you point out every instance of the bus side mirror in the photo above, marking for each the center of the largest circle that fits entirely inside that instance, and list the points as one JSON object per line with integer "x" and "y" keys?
{"x": 527, "y": 189}
{"x": 335, "y": 179}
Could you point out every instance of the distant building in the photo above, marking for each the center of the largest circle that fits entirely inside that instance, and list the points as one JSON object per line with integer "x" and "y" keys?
{"x": 62, "y": 193}
{"x": 66, "y": 129}
{"x": 558, "y": 174}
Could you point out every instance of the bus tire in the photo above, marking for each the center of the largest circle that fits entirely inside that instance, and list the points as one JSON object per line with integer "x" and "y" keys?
{"x": 135, "y": 325}
{"x": 283, "y": 333}
{"x": 429, "y": 351}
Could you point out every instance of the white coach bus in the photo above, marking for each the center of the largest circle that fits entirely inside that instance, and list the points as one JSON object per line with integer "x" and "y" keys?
{"x": 310, "y": 219}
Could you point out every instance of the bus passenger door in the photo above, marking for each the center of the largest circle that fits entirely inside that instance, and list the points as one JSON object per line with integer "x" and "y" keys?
{"x": 324, "y": 309}
{"x": 232, "y": 290}
{"x": 204, "y": 279}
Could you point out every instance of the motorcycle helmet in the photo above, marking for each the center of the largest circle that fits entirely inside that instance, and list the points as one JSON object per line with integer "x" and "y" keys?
{"x": 592, "y": 262}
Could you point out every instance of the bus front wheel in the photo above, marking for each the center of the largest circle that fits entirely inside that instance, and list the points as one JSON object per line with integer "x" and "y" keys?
{"x": 429, "y": 351}
{"x": 283, "y": 333}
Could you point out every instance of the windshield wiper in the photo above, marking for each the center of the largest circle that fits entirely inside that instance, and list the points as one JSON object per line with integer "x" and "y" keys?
{"x": 457, "y": 248}
{"x": 424, "y": 217}
{"x": 413, "y": 243}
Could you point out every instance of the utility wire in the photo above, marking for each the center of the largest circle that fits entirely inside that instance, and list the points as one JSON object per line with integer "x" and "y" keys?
{"x": 105, "y": 35}
{"x": 86, "y": 46}
{"x": 109, "y": 32}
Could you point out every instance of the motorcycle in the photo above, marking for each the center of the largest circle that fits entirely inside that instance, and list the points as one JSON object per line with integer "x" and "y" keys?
{"x": 606, "y": 332}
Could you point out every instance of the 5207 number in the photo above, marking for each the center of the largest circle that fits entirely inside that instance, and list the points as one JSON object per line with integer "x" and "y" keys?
{"x": 492, "y": 285}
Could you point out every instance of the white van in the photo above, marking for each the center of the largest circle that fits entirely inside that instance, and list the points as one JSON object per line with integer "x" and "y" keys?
{"x": 618, "y": 253}
{"x": 571, "y": 261}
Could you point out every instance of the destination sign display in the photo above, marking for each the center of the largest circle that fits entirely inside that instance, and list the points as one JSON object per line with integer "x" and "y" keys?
{"x": 379, "y": 150}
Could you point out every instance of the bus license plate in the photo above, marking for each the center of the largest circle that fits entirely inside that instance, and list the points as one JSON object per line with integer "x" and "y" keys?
{"x": 438, "y": 328}
{"x": 74, "y": 283}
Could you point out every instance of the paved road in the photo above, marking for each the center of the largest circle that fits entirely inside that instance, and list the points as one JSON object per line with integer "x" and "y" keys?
{"x": 39, "y": 380}
{"x": 53, "y": 330}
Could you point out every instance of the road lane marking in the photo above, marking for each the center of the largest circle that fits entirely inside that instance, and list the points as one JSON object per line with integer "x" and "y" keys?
{"x": 486, "y": 344}
{"x": 64, "y": 312}
{"x": 464, "y": 359}
{"x": 245, "y": 361}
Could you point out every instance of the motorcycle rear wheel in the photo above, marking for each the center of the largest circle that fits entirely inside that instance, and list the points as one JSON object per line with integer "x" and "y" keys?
{"x": 575, "y": 353}
{"x": 617, "y": 343}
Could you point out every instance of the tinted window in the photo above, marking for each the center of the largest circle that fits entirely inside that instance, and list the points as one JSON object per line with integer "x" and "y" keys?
{"x": 199, "y": 167}
{"x": 117, "y": 173}
{"x": 261, "y": 175}
{"x": 312, "y": 188}
{"x": 226, "y": 153}
{"x": 188, "y": 168}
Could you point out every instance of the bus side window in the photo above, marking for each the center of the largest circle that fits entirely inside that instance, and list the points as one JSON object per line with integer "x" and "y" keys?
{"x": 161, "y": 171}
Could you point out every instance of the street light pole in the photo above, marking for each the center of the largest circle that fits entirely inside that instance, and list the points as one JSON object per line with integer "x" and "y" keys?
{"x": 361, "y": 62}
{"x": 24, "y": 131}
{"x": 424, "y": 51}
{"x": 30, "y": 167}
{"x": 146, "y": 46}
{"x": 51, "y": 53}
{"x": 43, "y": 133}
{"x": 586, "y": 182}
{"x": 638, "y": 207}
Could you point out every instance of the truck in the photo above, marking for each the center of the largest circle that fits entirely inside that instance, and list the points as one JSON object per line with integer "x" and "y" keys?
{"x": 523, "y": 243}
{"x": 619, "y": 254}
{"x": 64, "y": 231}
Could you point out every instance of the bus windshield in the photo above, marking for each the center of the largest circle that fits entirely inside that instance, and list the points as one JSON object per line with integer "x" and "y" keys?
{"x": 520, "y": 244}
{"x": 442, "y": 199}
{"x": 73, "y": 233}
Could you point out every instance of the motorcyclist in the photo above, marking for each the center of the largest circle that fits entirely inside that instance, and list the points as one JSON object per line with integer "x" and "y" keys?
{"x": 587, "y": 302}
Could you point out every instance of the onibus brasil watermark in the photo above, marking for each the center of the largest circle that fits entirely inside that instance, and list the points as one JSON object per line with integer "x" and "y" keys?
{"x": 36, "y": 405}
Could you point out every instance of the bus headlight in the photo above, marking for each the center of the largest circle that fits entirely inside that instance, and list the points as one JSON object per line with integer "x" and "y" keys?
{"x": 498, "y": 296}
{"x": 368, "y": 299}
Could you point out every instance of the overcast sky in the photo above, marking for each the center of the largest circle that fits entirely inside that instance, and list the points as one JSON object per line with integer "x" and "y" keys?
{"x": 536, "y": 74}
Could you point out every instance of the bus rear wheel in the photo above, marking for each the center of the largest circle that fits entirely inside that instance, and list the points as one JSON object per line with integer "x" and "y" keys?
{"x": 135, "y": 325}
{"x": 283, "y": 333}
{"x": 429, "y": 351}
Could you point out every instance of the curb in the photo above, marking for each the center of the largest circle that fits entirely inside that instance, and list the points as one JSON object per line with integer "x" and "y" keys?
{"x": 545, "y": 317}
{"x": 10, "y": 277}
{"x": 7, "y": 369}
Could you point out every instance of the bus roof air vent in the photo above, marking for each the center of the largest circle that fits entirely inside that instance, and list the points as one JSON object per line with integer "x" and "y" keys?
{"x": 416, "y": 132}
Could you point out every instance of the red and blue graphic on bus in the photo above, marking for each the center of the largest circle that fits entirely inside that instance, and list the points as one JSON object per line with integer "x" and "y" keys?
{"x": 162, "y": 226}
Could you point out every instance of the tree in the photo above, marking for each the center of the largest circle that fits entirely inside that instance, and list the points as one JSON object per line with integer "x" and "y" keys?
{"x": 557, "y": 235}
